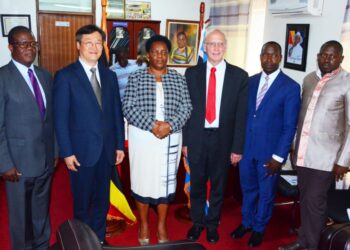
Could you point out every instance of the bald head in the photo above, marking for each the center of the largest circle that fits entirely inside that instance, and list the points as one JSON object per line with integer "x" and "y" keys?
{"x": 215, "y": 46}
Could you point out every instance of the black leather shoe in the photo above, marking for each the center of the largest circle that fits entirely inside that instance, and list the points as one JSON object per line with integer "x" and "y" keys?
{"x": 292, "y": 246}
{"x": 194, "y": 233}
{"x": 212, "y": 236}
{"x": 255, "y": 239}
{"x": 240, "y": 231}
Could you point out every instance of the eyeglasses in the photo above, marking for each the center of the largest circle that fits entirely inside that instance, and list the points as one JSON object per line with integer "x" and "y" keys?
{"x": 90, "y": 45}
{"x": 25, "y": 45}
{"x": 216, "y": 44}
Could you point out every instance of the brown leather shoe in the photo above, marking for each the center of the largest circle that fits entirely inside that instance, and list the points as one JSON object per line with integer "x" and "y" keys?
{"x": 293, "y": 246}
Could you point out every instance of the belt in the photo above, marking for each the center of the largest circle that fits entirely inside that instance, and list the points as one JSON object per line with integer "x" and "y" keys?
{"x": 211, "y": 129}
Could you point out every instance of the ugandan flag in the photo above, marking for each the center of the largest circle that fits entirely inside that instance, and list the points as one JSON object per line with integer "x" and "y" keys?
{"x": 119, "y": 208}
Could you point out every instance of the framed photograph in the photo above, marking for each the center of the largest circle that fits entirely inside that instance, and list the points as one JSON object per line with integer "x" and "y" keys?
{"x": 138, "y": 9}
{"x": 10, "y": 21}
{"x": 295, "y": 52}
{"x": 184, "y": 42}
{"x": 115, "y": 9}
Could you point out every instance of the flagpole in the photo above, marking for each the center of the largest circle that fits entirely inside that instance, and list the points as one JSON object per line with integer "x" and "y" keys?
{"x": 182, "y": 213}
{"x": 115, "y": 226}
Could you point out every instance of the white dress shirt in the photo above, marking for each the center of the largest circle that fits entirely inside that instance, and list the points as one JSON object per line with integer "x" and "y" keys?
{"x": 220, "y": 74}
{"x": 87, "y": 68}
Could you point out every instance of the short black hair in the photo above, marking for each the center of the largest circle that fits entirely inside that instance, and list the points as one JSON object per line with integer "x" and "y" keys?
{"x": 15, "y": 30}
{"x": 333, "y": 43}
{"x": 158, "y": 38}
{"x": 88, "y": 29}
{"x": 273, "y": 43}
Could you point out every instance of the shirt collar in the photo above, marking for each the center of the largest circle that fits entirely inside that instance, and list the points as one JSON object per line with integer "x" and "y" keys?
{"x": 272, "y": 76}
{"x": 334, "y": 72}
{"x": 21, "y": 67}
{"x": 219, "y": 66}
{"x": 86, "y": 66}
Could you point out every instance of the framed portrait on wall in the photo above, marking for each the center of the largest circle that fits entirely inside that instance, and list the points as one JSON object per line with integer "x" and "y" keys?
{"x": 184, "y": 42}
{"x": 295, "y": 52}
{"x": 10, "y": 21}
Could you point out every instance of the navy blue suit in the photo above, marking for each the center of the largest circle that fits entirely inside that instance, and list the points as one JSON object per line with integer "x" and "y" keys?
{"x": 270, "y": 130}
{"x": 91, "y": 134}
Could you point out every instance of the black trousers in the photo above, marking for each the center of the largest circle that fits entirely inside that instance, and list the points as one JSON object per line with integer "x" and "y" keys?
{"x": 208, "y": 167}
{"x": 313, "y": 186}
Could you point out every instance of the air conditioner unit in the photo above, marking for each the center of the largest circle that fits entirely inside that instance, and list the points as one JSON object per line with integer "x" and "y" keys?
{"x": 296, "y": 7}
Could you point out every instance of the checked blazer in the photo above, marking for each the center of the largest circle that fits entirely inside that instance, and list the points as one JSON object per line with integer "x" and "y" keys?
{"x": 139, "y": 104}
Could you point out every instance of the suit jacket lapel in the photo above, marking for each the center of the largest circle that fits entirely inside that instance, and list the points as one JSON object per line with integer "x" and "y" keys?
{"x": 226, "y": 89}
{"x": 103, "y": 80}
{"x": 202, "y": 86}
{"x": 22, "y": 86}
{"x": 255, "y": 87}
{"x": 277, "y": 83}
{"x": 84, "y": 81}
{"x": 43, "y": 84}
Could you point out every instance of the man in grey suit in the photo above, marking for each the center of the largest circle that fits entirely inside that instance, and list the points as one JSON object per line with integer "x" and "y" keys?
{"x": 26, "y": 142}
{"x": 322, "y": 151}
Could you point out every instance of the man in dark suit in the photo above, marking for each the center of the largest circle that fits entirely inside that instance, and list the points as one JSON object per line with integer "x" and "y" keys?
{"x": 273, "y": 108}
{"x": 26, "y": 142}
{"x": 89, "y": 128}
{"x": 213, "y": 137}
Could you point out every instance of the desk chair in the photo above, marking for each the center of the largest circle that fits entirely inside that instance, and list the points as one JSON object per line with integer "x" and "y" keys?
{"x": 292, "y": 192}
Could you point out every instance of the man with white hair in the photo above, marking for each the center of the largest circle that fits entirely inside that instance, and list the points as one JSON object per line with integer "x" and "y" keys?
{"x": 295, "y": 51}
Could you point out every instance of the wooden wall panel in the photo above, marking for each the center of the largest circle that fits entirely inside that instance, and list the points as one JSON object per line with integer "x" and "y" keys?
{"x": 57, "y": 43}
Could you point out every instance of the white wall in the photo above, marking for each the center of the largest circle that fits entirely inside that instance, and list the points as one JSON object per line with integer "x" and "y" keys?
{"x": 161, "y": 10}
{"x": 26, "y": 7}
{"x": 323, "y": 28}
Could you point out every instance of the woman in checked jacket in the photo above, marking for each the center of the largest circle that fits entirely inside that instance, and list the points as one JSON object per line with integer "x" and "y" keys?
{"x": 156, "y": 106}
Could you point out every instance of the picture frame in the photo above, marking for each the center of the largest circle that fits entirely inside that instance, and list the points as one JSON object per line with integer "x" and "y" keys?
{"x": 9, "y": 21}
{"x": 135, "y": 9}
{"x": 115, "y": 9}
{"x": 296, "y": 46}
{"x": 183, "y": 35}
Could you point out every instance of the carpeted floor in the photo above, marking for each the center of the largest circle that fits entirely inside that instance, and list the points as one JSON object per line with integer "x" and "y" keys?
{"x": 61, "y": 209}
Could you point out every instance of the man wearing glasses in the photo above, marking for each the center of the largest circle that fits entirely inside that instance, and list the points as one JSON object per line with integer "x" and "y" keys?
{"x": 89, "y": 128}
{"x": 26, "y": 142}
{"x": 213, "y": 137}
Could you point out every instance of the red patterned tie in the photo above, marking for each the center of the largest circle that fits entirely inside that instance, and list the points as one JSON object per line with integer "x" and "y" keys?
{"x": 211, "y": 97}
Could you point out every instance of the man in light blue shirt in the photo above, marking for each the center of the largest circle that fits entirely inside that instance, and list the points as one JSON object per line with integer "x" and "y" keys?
{"x": 123, "y": 67}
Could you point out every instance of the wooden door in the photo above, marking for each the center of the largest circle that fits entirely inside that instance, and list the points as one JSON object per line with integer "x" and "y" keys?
{"x": 57, "y": 39}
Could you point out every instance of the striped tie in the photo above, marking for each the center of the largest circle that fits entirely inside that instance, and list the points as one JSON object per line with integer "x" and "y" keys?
{"x": 262, "y": 92}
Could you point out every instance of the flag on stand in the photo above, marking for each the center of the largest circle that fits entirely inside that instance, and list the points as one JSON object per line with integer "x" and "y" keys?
{"x": 202, "y": 55}
{"x": 119, "y": 208}
{"x": 187, "y": 186}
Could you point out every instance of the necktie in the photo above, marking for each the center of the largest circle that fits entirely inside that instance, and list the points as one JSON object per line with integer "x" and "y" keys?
{"x": 262, "y": 92}
{"x": 211, "y": 97}
{"x": 96, "y": 86}
{"x": 38, "y": 96}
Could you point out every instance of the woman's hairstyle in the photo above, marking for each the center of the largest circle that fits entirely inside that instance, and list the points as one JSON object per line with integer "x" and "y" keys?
{"x": 158, "y": 38}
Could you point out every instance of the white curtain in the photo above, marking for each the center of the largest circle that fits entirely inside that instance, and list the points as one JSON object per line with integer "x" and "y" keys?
{"x": 345, "y": 37}
{"x": 232, "y": 17}
{"x": 242, "y": 21}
